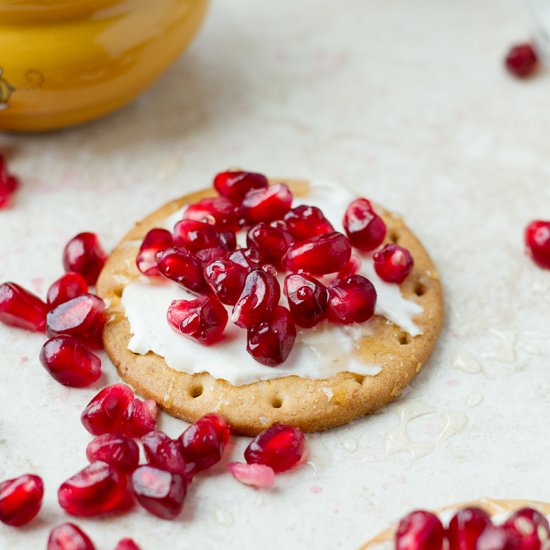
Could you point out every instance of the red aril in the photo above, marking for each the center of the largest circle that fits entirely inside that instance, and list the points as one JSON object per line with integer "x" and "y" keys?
{"x": 69, "y": 536}
{"x": 218, "y": 211}
{"x": 267, "y": 205}
{"x": 207, "y": 255}
{"x": 20, "y": 499}
{"x": 249, "y": 258}
{"x": 351, "y": 268}
{"x": 270, "y": 342}
{"x": 522, "y": 60}
{"x": 306, "y": 221}
{"x": 466, "y": 527}
{"x": 226, "y": 279}
{"x": 236, "y": 184}
{"x": 84, "y": 254}
{"x": 393, "y": 263}
{"x": 160, "y": 492}
{"x": 66, "y": 288}
{"x": 194, "y": 235}
{"x": 352, "y": 300}
{"x": 70, "y": 362}
{"x": 499, "y": 538}
{"x": 127, "y": 544}
{"x": 364, "y": 227}
{"x": 420, "y": 530}
{"x": 537, "y": 239}
{"x": 183, "y": 267}
{"x": 227, "y": 240}
{"x": 270, "y": 239}
{"x": 307, "y": 299}
{"x": 255, "y": 475}
{"x": 22, "y": 309}
{"x": 105, "y": 412}
{"x": 531, "y": 526}
{"x": 280, "y": 447}
{"x": 139, "y": 417}
{"x": 114, "y": 449}
{"x": 155, "y": 241}
{"x": 164, "y": 452}
{"x": 82, "y": 317}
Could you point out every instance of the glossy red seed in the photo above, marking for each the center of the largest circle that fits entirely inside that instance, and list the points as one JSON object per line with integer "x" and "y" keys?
{"x": 280, "y": 447}
{"x": 194, "y": 235}
{"x": 248, "y": 258}
{"x": 466, "y": 527}
{"x": 498, "y": 538}
{"x": 270, "y": 239}
{"x": 164, "y": 452}
{"x": 227, "y": 240}
{"x": 183, "y": 267}
{"x": 419, "y": 530}
{"x": 522, "y": 60}
{"x": 155, "y": 241}
{"x": 203, "y": 319}
{"x": 207, "y": 255}
{"x": 258, "y": 299}
{"x": 139, "y": 418}
{"x": 352, "y": 300}
{"x": 364, "y": 227}
{"x": 70, "y": 362}
{"x": 226, "y": 279}
{"x": 114, "y": 449}
{"x": 84, "y": 254}
{"x": 306, "y": 221}
{"x": 218, "y": 211}
{"x": 537, "y": 240}
{"x": 160, "y": 492}
{"x": 12, "y": 184}
{"x": 351, "y": 268}
{"x": 531, "y": 526}
{"x": 267, "y": 205}
{"x": 105, "y": 412}
{"x": 20, "y": 499}
{"x": 393, "y": 263}
{"x": 203, "y": 442}
{"x": 66, "y": 288}
{"x": 127, "y": 544}
{"x": 82, "y": 317}
{"x": 97, "y": 489}
{"x": 236, "y": 184}
{"x": 307, "y": 299}
{"x": 8, "y": 184}
{"x": 20, "y": 308}
{"x": 69, "y": 536}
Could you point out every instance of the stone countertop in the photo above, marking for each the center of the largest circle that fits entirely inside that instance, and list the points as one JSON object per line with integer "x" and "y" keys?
{"x": 407, "y": 103}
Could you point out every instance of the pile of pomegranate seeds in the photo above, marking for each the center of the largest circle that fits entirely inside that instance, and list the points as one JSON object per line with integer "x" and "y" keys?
{"x": 8, "y": 184}
{"x": 537, "y": 240}
{"x": 522, "y": 60}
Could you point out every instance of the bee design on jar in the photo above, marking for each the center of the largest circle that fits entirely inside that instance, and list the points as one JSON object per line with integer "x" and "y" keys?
{"x": 6, "y": 89}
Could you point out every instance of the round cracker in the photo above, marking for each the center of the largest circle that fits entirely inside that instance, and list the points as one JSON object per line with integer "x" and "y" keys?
{"x": 309, "y": 404}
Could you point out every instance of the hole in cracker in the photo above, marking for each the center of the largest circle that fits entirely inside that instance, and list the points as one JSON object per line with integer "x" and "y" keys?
{"x": 393, "y": 237}
{"x": 276, "y": 402}
{"x": 404, "y": 339}
{"x": 196, "y": 391}
{"x": 419, "y": 289}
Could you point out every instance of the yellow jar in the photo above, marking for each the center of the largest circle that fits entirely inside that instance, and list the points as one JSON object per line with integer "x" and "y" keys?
{"x": 63, "y": 62}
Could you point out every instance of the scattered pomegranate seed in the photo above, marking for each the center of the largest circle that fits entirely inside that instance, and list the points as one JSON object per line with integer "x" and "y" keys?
{"x": 127, "y": 544}
{"x": 227, "y": 240}
{"x": 105, "y": 412}
{"x": 194, "y": 235}
{"x": 319, "y": 255}
{"x": 140, "y": 417}
{"x": 70, "y": 362}
{"x": 498, "y": 538}
{"x": 531, "y": 526}
{"x": 522, "y": 60}
{"x": 8, "y": 184}
{"x": 160, "y": 492}
{"x": 270, "y": 239}
{"x": 218, "y": 211}
{"x": 69, "y": 536}
{"x": 537, "y": 239}
{"x": 305, "y": 222}
{"x": 84, "y": 254}
{"x": 267, "y": 205}
{"x": 82, "y": 317}
{"x": 307, "y": 299}
{"x": 20, "y": 499}
{"x": 20, "y": 308}
{"x": 255, "y": 475}
{"x": 164, "y": 452}
{"x": 352, "y": 300}
{"x": 466, "y": 527}
{"x": 114, "y": 449}
{"x": 183, "y": 267}
{"x": 66, "y": 288}
{"x": 364, "y": 227}
{"x": 393, "y": 263}
{"x": 157, "y": 240}
{"x": 258, "y": 300}
{"x": 97, "y": 489}
{"x": 236, "y": 184}
{"x": 280, "y": 447}
{"x": 207, "y": 255}
{"x": 419, "y": 530}
{"x": 226, "y": 278}
{"x": 248, "y": 258}
{"x": 204, "y": 442}
{"x": 270, "y": 342}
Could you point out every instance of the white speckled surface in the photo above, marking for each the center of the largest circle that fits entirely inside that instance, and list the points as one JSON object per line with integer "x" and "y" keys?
{"x": 403, "y": 101}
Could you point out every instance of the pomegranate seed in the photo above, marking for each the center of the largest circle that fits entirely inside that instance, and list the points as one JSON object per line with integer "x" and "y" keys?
{"x": 194, "y": 235}
{"x": 364, "y": 227}
{"x": 226, "y": 279}
{"x": 183, "y": 267}
{"x": 22, "y": 309}
{"x": 352, "y": 300}
{"x": 531, "y": 526}
{"x": 160, "y": 492}
{"x": 218, "y": 211}
{"x": 105, "y": 412}
{"x": 522, "y": 60}
{"x": 140, "y": 417}
{"x": 164, "y": 452}
{"x": 69, "y": 536}
{"x": 270, "y": 342}
{"x": 12, "y": 184}
{"x": 157, "y": 240}
{"x": 270, "y": 239}
{"x": 537, "y": 239}
{"x": 319, "y": 255}
{"x": 70, "y": 362}
{"x": 419, "y": 531}
{"x": 204, "y": 442}
{"x": 85, "y": 255}
{"x": 351, "y": 268}
{"x": 255, "y": 475}
{"x": 248, "y": 258}
{"x": 498, "y": 538}
{"x": 66, "y": 288}
{"x": 207, "y": 255}
{"x": 96, "y": 489}
{"x": 202, "y": 320}
{"x": 307, "y": 299}
{"x": 280, "y": 447}
{"x": 393, "y": 263}
{"x": 227, "y": 240}
{"x": 306, "y": 221}
{"x": 466, "y": 527}
{"x": 127, "y": 544}
{"x": 267, "y": 205}
{"x": 82, "y": 317}
{"x": 236, "y": 184}
{"x": 114, "y": 449}
{"x": 258, "y": 299}
{"x": 20, "y": 499}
